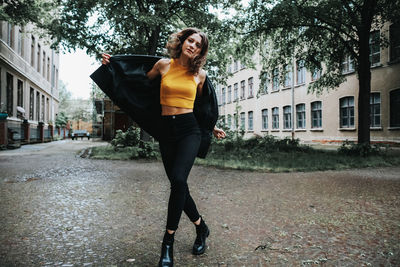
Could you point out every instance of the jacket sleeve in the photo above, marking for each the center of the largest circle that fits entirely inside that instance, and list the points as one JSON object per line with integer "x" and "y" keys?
{"x": 206, "y": 112}
{"x": 125, "y": 82}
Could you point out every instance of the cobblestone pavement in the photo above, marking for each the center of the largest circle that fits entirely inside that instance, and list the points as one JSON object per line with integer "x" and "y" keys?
{"x": 58, "y": 209}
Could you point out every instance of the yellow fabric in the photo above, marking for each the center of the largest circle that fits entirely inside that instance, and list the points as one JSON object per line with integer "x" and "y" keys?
{"x": 178, "y": 87}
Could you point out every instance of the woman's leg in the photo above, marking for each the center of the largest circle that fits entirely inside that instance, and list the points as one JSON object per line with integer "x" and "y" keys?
{"x": 178, "y": 158}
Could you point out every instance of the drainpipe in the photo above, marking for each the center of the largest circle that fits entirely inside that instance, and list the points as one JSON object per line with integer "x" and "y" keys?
{"x": 293, "y": 99}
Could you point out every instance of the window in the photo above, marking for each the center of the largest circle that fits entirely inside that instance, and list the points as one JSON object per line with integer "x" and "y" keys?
{"x": 347, "y": 64}
{"x": 230, "y": 121}
{"x": 38, "y": 58}
{"x": 375, "y": 109}
{"x": 56, "y": 86}
{"x": 347, "y": 112}
{"x": 251, "y": 91}
{"x": 242, "y": 65}
{"x": 235, "y": 121}
{"x": 229, "y": 68}
{"x": 242, "y": 121}
{"x": 10, "y": 94}
{"x": 229, "y": 94}
{"x": 242, "y": 89}
{"x": 374, "y": 48}
{"x": 395, "y": 108}
{"x": 235, "y": 65}
{"x": 235, "y": 92}
{"x": 288, "y": 76}
{"x": 33, "y": 52}
{"x": 48, "y": 110}
{"x": 316, "y": 74}
{"x": 44, "y": 64}
{"x": 53, "y": 76}
{"x": 316, "y": 114}
{"x": 275, "y": 80}
{"x": 37, "y": 106}
{"x": 287, "y": 117}
{"x": 10, "y": 35}
{"x": 20, "y": 93}
{"x": 301, "y": 72}
{"x": 223, "y": 97}
{"x": 48, "y": 69}
{"x": 301, "y": 116}
{"x": 250, "y": 120}
{"x": 394, "y": 37}
{"x": 264, "y": 118}
{"x": 264, "y": 82}
{"x": 31, "y": 103}
{"x": 43, "y": 109}
{"x": 19, "y": 45}
{"x": 275, "y": 118}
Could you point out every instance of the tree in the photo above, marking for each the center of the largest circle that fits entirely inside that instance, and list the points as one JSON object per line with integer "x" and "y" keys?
{"x": 64, "y": 97}
{"x": 139, "y": 27}
{"x": 322, "y": 33}
{"x": 24, "y": 11}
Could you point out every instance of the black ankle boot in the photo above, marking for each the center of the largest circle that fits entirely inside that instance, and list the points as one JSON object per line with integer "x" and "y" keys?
{"x": 202, "y": 232}
{"x": 167, "y": 251}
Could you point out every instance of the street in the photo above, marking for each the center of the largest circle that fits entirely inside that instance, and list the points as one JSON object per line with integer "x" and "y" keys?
{"x": 59, "y": 209}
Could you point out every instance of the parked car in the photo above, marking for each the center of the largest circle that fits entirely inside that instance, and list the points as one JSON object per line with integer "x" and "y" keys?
{"x": 81, "y": 134}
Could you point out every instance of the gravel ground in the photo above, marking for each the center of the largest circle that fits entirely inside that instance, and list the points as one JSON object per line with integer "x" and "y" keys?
{"x": 58, "y": 209}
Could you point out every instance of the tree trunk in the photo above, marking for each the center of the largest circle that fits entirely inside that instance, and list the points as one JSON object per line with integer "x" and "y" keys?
{"x": 364, "y": 82}
{"x": 153, "y": 41}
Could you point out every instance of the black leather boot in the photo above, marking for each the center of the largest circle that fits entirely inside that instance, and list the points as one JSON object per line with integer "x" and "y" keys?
{"x": 202, "y": 232}
{"x": 167, "y": 251}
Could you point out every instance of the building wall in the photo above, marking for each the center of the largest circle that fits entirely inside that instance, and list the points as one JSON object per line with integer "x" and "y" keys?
{"x": 385, "y": 78}
{"x": 35, "y": 70}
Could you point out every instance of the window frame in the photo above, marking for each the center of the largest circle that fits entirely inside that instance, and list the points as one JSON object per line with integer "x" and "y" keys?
{"x": 375, "y": 106}
{"x": 346, "y": 107}
{"x": 287, "y": 117}
{"x": 301, "y": 116}
{"x": 316, "y": 114}
{"x": 275, "y": 118}
{"x": 264, "y": 119}
{"x": 250, "y": 121}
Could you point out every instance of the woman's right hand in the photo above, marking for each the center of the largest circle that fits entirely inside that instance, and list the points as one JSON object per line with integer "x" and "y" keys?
{"x": 105, "y": 59}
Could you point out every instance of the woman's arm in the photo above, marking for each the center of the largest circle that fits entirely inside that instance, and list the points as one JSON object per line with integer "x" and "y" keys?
{"x": 200, "y": 79}
{"x": 160, "y": 68}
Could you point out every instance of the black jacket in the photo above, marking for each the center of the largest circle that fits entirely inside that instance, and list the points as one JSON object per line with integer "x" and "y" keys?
{"x": 125, "y": 82}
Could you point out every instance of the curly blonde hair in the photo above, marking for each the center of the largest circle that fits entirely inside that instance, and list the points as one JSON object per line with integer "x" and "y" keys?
{"x": 174, "y": 47}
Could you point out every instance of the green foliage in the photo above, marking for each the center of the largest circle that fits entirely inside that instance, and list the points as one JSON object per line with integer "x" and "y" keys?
{"x": 355, "y": 149}
{"x": 24, "y": 11}
{"x": 142, "y": 27}
{"x": 256, "y": 146}
{"x": 61, "y": 120}
{"x": 131, "y": 139}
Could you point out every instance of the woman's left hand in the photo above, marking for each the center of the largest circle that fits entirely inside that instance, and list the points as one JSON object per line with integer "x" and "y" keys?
{"x": 219, "y": 133}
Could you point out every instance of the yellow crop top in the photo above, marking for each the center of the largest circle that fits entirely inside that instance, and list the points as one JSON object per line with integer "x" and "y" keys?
{"x": 178, "y": 87}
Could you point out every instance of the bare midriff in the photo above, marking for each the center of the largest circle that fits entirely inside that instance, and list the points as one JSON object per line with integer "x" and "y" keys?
{"x": 168, "y": 110}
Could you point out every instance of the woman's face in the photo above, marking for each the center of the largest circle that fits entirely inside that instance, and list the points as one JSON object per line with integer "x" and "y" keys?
{"x": 192, "y": 45}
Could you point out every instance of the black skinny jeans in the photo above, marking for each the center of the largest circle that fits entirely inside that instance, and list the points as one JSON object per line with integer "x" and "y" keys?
{"x": 179, "y": 148}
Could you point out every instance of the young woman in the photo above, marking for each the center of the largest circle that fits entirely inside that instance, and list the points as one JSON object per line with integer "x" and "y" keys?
{"x": 182, "y": 78}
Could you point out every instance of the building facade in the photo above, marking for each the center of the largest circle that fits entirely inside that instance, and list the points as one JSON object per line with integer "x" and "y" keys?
{"x": 284, "y": 108}
{"x": 28, "y": 83}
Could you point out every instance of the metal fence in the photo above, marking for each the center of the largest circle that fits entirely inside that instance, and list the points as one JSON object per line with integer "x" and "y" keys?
{"x": 34, "y": 135}
{"x": 47, "y": 133}
{"x": 16, "y": 132}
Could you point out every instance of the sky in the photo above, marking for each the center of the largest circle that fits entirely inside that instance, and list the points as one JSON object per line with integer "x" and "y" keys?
{"x": 75, "y": 69}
